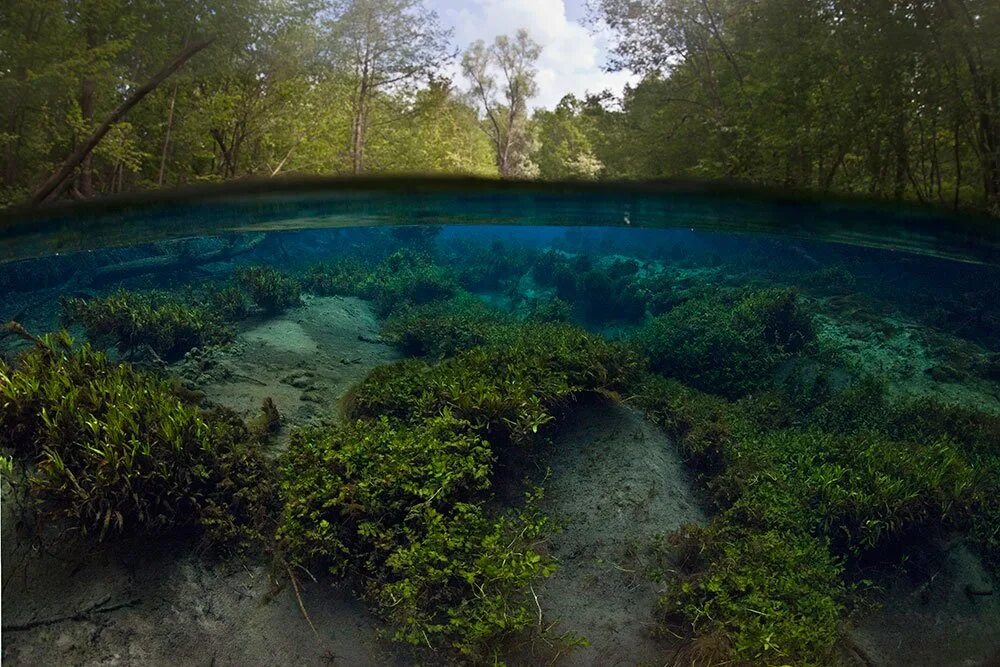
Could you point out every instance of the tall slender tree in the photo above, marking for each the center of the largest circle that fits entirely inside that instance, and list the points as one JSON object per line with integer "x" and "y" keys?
{"x": 383, "y": 45}
{"x": 503, "y": 81}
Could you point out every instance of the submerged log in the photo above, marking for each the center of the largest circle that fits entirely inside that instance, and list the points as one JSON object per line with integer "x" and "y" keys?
{"x": 166, "y": 263}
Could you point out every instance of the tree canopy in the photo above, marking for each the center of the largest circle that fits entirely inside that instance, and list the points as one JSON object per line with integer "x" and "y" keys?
{"x": 896, "y": 98}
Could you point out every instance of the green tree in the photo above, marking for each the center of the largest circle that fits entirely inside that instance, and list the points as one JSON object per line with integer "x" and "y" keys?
{"x": 503, "y": 80}
{"x": 564, "y": 146}
{"x": 381, "y": 45}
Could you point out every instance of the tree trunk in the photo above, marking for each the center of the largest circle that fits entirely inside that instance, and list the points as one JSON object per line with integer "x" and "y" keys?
{"x": 166, "y": 136}
{"x": 70, "y": 163}
{"x": 358, "y": 128}
{"x": 87, "y": 112}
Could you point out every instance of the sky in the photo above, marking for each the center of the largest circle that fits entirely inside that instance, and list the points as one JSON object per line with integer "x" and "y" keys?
{"x": 572, "y": 59}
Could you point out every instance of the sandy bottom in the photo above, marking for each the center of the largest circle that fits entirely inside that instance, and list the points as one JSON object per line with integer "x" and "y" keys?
{"x": 943, "y": 611}
{"x": 615, "y": 484}
{"x": 303, "y": 360}
{"x": 160, "y": 604}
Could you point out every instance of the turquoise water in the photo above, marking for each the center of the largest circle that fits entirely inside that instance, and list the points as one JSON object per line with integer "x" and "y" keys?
{"x": 768, "y": 426}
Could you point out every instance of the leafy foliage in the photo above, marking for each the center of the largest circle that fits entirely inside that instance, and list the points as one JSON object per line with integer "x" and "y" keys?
{"x": 765, "y": 581}
{"x": 507, "y": 389}
{"x": 443, "y": 328}
{"x": 346, "y": 277}
{"x": 765, "y": 597}
{"x": 402, "y": 507}
{"x": 406, "y": 278}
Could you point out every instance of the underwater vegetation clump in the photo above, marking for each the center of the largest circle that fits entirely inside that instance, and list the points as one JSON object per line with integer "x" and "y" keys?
{"x": 172, "y": 325}
{"x": 442, "y": 328}
{"x": 398, "y": 495}
{"x": 404, "y": 278}
{"x": 603, "y": 293}
{"x": 268, "y": 289}
{"x": 800, "y": 506}
{"x": 167, "y": 325}
{"x": 507, "y": 389}
{"x": 402, "y": 507}
{"x": 107, "y": 450}
{"x": 727, "y": 342}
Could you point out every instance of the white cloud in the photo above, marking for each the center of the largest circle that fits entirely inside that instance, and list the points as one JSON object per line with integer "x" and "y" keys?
{"x": 572, "y": 56}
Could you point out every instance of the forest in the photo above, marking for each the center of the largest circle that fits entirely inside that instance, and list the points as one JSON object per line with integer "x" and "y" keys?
{"x": 896, "y": 99}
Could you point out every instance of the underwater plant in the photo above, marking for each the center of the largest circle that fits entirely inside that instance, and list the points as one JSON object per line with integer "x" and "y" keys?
{"x": 270, "y": 290}
{"x": 727, "y": 342}
{"x": 345, "y": 277}
{"x": 442, "y": 328}
{"x": 129, "y": 319}
{"x": 402, "y": 506}
{"x": 507, "y": 389}
{"x": 767, "y": 579}
{"x": 552, "y": 309}
{"x": 408, "y": 278}
{"x": 108, "y": 450}
{"x": 748, "y": 597}
{"x": 484, "y": 267}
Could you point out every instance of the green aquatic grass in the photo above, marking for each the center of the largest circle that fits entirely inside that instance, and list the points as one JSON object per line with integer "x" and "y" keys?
{"x": 836, "y": 488}
{"x": 398, "y": 495}
{"x": 508, "y": 388}
{"x": 727, "y": 342}
{"x": 404, "y": 278}
{"x": 107, "y": 450}
{"x": 169, "y": 326}
{"x": 402, "y": 507}
{"x": 270, "y": 290}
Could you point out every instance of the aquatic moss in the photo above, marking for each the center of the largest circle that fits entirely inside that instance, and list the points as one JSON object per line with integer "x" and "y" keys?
{"x": 109, "y": 450}
{"x": 128, "y": 319}
{"x": 398, "y": 495}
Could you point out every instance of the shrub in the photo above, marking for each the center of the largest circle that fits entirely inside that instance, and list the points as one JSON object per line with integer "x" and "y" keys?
{"x": 169, "y": 327}
{"x": 270, "y": 290}
{"x": 111, "y": 451}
